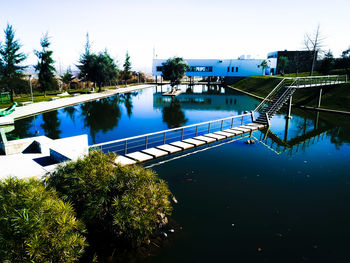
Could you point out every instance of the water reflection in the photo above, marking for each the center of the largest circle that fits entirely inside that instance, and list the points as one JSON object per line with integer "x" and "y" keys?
{"x": 51, "y": 124}
{"x": 173, "y": 115}
{"x": 126, "y": 98}
{"x": 22, "y": 128}
{"x": 70, "y": 111}
{"x": 101, "y": 115}
{"x": 147, "y": 111}
{"x": 305, "y": 129}
{"x": 203, "y": 97}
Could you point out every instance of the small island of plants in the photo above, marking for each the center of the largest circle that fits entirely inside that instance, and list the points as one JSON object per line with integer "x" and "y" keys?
{"x": 88, "y": 202}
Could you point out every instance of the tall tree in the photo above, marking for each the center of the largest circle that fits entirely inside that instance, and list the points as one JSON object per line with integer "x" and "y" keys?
{"x": 103, "y": 69}
{"x": 346, "y": 53}
{"x": 264, "y": 66}
{"x": 174, "y": 69}
{"x": 67, "y": 77}
{"x": 45, "y": 66}
{"x": 10, "y": 60}
{"x": 327, "y": 63}
{"x": 86, "y": 61}
{"x": 314, "y": 42}
{"x": 282, "y": 64}
{"x": 127, "y": 68}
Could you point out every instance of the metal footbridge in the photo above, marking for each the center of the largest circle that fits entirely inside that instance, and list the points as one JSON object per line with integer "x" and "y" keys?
{"x": 154, "y": 145}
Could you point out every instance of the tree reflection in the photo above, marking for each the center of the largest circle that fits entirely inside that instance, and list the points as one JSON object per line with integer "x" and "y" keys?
{"x": 173, "y": 116}
{"x": 22, "y": 129}
{"x": 51, "y": 124}
{"x": 70, "y": 112}
{"x": 126, "y": 98}
{"x": 102, "y": 115}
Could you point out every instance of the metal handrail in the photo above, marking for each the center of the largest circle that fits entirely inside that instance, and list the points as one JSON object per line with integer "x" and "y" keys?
{"x": 269, "y": 95}
{"x": 169, "y": 130}
{"x": 298, "y": 80}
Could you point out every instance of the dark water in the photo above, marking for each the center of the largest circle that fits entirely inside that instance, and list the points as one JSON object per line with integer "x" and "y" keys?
{"x": 136, "y": 113}
{"x": 283, "y": 199}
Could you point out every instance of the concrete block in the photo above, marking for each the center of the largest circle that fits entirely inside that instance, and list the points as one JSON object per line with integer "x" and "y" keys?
{"x": 252, "y": 128}
{"x": 169, "y": 148}
{"x": 241, "y": 129}
{"x": 139, "y": 156}
{"x": 123, "y": 160}
{"x": 182, "y": 145}
{"x": 155, "y": 152}
{"x": 194, "y": 142}
{"x": 215, "y": 136}
{"x": 205, "y": 139}
{"x": 226, "y": 134}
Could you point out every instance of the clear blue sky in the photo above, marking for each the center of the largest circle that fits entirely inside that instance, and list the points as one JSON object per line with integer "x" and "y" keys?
{"x": 187, "y": 28}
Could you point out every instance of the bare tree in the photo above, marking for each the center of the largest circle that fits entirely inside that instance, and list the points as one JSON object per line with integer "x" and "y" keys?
{"x": 314, "y": 42}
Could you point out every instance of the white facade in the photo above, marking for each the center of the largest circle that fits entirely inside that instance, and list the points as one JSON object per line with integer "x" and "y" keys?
{"x": 220, "y": 67}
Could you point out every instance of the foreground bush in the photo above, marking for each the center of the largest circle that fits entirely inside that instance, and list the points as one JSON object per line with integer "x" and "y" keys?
{"x": 128, "y": 201}
{"x": 36, "y": 226}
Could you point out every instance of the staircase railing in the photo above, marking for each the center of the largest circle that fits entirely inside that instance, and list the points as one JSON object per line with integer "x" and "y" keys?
{"x": 301, "y": 82}
{"x": 295, "y": 84}
{"x": 270, "y": 96}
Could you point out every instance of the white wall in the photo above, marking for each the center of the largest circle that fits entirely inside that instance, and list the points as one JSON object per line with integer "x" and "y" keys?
{"x": 246, "y": 67}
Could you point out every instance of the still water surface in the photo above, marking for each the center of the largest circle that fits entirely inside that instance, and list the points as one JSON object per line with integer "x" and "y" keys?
{"x": 135, "y": 113}
{"x": 283, "y": 199}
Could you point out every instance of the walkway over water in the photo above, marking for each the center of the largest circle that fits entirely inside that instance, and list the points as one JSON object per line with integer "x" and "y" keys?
{"x": 158, "y": 144}
{"x": 153, "y": 145}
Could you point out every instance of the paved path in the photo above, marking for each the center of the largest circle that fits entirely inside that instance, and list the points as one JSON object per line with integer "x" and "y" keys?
{"x": 39, "y": 107}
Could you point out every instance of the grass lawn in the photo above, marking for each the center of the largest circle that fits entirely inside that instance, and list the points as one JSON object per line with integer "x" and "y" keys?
{"x": 334, "y": 97}
{"x": 39, "y": 97}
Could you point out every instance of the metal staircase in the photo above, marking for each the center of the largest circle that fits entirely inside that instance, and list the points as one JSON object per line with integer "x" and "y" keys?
{"x": 285, "y": 89}
{"x": 275, "y": 100}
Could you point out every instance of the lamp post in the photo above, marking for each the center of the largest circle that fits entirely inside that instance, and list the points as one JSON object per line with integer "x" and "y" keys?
{"x": 30, "y": 85}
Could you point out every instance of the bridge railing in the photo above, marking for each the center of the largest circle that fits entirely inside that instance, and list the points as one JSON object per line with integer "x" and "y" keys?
{"x": 307, "y": 82}
{"x": 141, "y": 142}
{"x": 301, "y": 82}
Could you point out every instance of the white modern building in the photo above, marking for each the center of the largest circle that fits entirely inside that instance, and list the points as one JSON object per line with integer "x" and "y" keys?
{"x": 242, "y": 67}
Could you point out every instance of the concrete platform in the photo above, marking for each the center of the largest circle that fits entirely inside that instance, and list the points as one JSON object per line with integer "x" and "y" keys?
{"x": 123, "y": 160}
{"x": 169, "y": 148}
{"x": 226, "y": 134}
{"x": 39, "y": 107}
{"x": 155, "y": 152}
{"x": 215, "y": 136}
{"x": 174, "y": 93}
{"x": 194, "y": 142}
{"x": 21, "y": 166}
{"x": 139, "y": 156}
{"x": 205, "y": 139}
{"x": 182, "y": 145}
{"x": 6, "y": 121}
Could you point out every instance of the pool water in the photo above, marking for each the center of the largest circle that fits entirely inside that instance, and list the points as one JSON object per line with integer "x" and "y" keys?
{"x": 283, "y": 199}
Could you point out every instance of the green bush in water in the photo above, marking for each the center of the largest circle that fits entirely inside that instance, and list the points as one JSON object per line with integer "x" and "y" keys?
{"x": 36, "y": 226}
{"x": 130, "y": 202}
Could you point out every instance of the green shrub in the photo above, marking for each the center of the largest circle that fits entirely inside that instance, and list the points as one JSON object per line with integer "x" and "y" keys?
{"x": 36, "y": 226}
{"x": 128, "y": 201}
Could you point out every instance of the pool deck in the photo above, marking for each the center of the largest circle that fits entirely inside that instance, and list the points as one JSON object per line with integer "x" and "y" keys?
{"x": 40, "y": 107}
